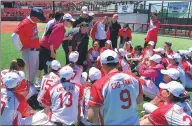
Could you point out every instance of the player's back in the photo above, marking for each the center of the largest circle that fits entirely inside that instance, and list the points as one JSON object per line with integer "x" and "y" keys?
{"x": 49, "y": 80}
{"x": 77, "y": 74}
{"x": 120, "y": 92}
{"x": 65, "y": 99}
{"x": 9, "y": 106}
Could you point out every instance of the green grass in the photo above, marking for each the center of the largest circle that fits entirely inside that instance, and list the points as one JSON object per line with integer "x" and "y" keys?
{"x": 9, "y": 52}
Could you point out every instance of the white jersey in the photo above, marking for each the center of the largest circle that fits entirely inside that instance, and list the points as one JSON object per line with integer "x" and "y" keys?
{"x": 78, "y": 70}
{"x": 116, "y": 95}
{"x": 172, "y": 114}
{"x": 124, "y": 65}
{"x": 11, "y": 108}
{"x": 63, "y": 100}
{"x": 3, "y": 72}
{"x": 48, "y": 81}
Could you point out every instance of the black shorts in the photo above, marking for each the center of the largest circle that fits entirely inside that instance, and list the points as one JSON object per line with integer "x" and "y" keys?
{"x": 44, "y": 56}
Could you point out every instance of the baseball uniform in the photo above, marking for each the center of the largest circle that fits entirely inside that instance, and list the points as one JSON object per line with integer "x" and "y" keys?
{"x": 172, "y": 114}
{"x": 115, "y": 94}
{"x": 48, "y": 81}
{"x": 188, "y": 69}
{"x": 3, "y": 72}
{"x": 92, "y": 57}
{"x": 78, "y": 70}
{"x": 63, "y": 100}
{"x": 124, "y": 65}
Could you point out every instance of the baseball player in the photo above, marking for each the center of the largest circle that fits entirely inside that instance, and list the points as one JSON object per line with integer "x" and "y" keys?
{"x": 123, "y": 64}
{"x": 171, "y": 74}
{"x": 26, "y": 39}
{"x": 50, "y": 79}
{"x": 175, "y": 112}
{"x": 73, "y": 58}
{"x": 14, "y": 106}
{"x": 114, "y": 97}
{"x": 93, "y": 53}
{"x": 94, "y": 74}
{"x": 62, "y": 101}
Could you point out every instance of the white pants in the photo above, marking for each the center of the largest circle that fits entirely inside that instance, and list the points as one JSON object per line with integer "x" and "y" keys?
{"x": 32, "y": 91}
{"x": 151, "y": 91}
{"x": 31, "y": 59}
{"x": 40, "y": 118}
{"x": 149, "y": 108}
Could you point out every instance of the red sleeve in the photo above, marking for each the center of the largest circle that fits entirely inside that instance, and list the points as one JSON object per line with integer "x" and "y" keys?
{"x": 46, "y": 98}
{"x": 81, "y": 93}
{"x": 143, "y": 71}
{"x": 96, "y": 98}
{"x": 129, "y": 34}
{"x": 94, "y": 29}
{"x": 157, "y": 118}
{"x": 108, "y": 34}
{"x": 140, "y": 87}
{"x": 186, "y": 67}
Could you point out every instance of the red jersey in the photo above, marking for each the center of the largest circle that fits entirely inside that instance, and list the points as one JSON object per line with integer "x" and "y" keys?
{"x": 28, "y": 34}
{"x": 55, "y": 38}
{"x": 125, "y": 33}
{"x": 152, "y": 32}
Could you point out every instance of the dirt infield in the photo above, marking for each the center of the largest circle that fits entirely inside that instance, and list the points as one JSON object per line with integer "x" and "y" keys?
{"x": 9, "y": 26}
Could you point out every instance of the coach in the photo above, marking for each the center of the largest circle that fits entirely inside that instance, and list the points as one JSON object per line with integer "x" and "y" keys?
{"x": 152, "y": 32}
{"x": 79, "y": 41}
{"x": 26, "y": 39}
{"x": 114, "y": 28}
{"x": 51, "y": 42}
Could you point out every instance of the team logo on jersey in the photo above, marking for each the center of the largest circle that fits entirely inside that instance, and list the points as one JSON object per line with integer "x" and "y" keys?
{"x": 35, "y": 33}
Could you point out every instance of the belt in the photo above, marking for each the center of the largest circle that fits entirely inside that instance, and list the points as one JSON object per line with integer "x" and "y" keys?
{"x": 33, "y": 49}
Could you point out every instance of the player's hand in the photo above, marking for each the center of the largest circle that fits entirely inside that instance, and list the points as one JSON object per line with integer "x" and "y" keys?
{"x": 144, "y": 117}
{"x": 53, "y": 55}
{"x": 24, "y": 49}
{"x": 70, "y": 37}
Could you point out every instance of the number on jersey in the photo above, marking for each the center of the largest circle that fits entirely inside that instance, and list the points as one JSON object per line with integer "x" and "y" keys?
{"x": 46, "y": 84}
{"x": 69, "y": 99}
{"x": 125, "y": 97}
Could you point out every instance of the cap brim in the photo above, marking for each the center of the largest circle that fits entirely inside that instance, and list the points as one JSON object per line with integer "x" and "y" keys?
{"x": 164, "y": 72}
{"x": 156, "y": 50}
{"x": 73, "y": 20}
{"x": 85, "y": 12}
{"x": 164, "y": 86}
{"x": 170, "y": 57}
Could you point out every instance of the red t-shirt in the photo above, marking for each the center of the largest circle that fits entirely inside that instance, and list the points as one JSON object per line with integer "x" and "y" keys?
{"x": 55, "y": 38}
{"x": 125, "y": 33}
{"x": 28, "y": 34}
{"x": 152, "y": 32}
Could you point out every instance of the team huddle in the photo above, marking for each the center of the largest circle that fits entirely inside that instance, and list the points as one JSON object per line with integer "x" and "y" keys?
{"x": 102, "y": 86}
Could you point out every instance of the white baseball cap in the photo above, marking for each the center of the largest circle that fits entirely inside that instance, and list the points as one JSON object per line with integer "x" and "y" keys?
{"x": 181, "y": 52}
{"x": 173, "y": 87}
{"x": 156, "y": 58}
{"x": 68, "y": 16}
{"x": 66, "y": 72}
{"x": 91, "y": 14}
{"x": 55, "y": 65}
{"x": 83, "y": 77}
{"x": 11, "y": 79}
{"x": 129, "y": 42}
{"x": 73, "y": 56}
{"x": 109, "y": 56}
{"x": 84, "y": 9}
{"x": 109, "y": 42}
{"x": 122, "y": 52}
{"x": 94, "y": 74}
{"x": 175, "y": 56}
{"x": 188, "y": 53}
{"x": 172, "y": 72}
{"x": 161, "y": 50}
{"x": 152, "y": 43}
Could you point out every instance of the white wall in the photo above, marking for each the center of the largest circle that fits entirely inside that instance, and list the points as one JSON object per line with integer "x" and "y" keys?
{"x": 134, "y": 18}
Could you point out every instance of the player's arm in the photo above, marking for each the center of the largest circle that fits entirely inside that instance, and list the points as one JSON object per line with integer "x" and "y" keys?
{"x": 93, "y": 114}
{"x": 145, "y": 121}
{"x": 16, "y": 41}
{"x": 46, "y": 109}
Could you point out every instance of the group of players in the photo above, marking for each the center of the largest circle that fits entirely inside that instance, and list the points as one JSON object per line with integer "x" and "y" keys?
{"x": 105, "y": 90}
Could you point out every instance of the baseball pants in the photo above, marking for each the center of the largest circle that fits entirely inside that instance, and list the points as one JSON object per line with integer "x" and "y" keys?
{"x": 149, "y": 108}
{"x": 150, "y": 92}
{"x": 31, "y": 59}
